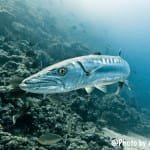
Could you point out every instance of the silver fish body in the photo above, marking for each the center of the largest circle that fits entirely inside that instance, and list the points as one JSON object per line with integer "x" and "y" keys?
{"x": 76, "y": 73}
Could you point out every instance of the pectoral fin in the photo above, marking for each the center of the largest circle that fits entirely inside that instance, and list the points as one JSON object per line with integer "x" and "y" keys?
{"x": 89, "y": 89}
{"x": 101, "y": 88}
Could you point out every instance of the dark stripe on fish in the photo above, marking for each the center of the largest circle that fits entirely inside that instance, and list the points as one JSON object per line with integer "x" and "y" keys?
{"x": 83, "y": 68}
{"x": 107, "y": 69}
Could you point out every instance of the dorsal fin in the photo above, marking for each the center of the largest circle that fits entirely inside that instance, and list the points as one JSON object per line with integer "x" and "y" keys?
{"x": 120, "y": 52}
{"x": 97, "y": 53}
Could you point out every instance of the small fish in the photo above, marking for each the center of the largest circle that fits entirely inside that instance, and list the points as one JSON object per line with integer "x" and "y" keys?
{"x": 49, "y": 138}
{"x": 80, "y": 72}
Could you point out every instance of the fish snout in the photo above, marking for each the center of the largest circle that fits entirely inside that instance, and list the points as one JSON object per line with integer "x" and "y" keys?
{"x": 24, "y": 84}
{"x": 42, "y": 85}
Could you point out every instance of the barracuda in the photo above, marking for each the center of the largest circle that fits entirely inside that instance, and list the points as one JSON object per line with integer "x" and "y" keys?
{"x": 80, "y": 72}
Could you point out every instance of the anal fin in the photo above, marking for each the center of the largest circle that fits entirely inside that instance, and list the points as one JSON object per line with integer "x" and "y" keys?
{"x": 101, "y": 87}
{"x": 120, "y": 85}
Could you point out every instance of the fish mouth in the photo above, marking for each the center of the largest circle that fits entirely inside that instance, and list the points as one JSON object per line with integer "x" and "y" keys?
{"x": 22, "y": 85}
{"x": 39, "y": 85}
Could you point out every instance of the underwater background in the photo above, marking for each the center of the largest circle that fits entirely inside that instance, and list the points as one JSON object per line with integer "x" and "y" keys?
{"x": 35, "y": 34}
{"x": 112, "y": 26}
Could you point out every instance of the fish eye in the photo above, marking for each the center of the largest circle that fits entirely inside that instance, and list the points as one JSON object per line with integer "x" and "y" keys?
{"x": 62, "y": 71}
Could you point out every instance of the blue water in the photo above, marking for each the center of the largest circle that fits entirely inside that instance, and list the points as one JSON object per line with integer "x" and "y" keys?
{"x": 112, "y": 25}
{"x": 108, "y": 26}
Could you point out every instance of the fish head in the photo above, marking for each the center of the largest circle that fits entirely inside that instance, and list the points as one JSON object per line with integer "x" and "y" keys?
{"x": 57, "y": 78}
